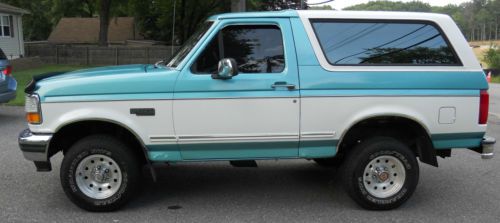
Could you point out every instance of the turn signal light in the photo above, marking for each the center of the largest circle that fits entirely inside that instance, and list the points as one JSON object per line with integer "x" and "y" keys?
{"x": 33, "y": 118}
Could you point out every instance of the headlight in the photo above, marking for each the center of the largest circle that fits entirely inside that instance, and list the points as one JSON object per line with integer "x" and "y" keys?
{"x": 33, "y": 109}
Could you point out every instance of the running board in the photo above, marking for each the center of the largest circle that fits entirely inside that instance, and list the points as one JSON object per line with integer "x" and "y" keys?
{"x": 243, "y": 163}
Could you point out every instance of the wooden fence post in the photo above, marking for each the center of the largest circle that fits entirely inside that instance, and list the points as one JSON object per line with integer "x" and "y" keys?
{"x": 116, "y": 56}
{"x": 57, "y": 54}
{"x": 87, "y": 59}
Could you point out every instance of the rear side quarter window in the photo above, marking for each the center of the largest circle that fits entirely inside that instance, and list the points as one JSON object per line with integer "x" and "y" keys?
{"x": 383, "y": 43}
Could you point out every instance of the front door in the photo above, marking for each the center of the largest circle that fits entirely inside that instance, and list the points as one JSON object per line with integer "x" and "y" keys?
{"x": 251, "y": 116}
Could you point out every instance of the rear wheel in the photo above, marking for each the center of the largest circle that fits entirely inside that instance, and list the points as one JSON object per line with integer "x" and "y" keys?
{"x": 380, "y": 173}
{"x": 100, "y": 173}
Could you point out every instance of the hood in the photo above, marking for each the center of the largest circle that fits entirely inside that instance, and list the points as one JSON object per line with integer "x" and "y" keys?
{"x": 100, "y": 72}
{"x": 127, "y": 79}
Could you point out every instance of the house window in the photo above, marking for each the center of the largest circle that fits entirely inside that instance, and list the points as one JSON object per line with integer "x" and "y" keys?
{"x": 5, "y": 26}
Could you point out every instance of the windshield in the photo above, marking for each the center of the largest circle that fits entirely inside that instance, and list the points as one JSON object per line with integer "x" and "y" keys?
{"x": 189, "y": 44}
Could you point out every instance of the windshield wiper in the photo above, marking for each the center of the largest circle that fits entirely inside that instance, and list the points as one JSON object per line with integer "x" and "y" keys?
{"x": 157, "y": 64}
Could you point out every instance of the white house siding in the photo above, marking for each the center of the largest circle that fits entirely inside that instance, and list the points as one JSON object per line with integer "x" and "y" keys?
{"x": 13, "y": 47}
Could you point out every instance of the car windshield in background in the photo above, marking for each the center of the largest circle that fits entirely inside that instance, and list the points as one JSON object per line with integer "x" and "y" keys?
{"x": 189, "y": 44}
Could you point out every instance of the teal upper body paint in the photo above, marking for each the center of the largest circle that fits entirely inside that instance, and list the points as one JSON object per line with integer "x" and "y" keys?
{"x": 128, "y": 82}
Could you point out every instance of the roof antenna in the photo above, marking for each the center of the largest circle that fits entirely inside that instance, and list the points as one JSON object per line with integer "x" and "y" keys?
{"x": 173, "y": 32}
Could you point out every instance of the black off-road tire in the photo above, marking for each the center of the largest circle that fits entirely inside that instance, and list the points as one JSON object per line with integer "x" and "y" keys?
{"x": 353, "y": 170}
{"x": 113, "y": 148}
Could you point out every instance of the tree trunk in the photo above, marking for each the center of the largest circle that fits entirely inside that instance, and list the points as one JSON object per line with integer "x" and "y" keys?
{"x": 496, "y": 31}
{"x": 484, "y": 31}
{"x": 104, "y": 22}
{"x": 496, "y": 28}
{"x": 490, "y": 30}
{"x": 238, "y": 5}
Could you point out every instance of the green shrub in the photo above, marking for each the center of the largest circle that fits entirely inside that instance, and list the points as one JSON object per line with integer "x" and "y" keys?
{"x": 492, "y": 57}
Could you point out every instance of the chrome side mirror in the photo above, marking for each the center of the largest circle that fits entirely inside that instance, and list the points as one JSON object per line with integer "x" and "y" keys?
{"x": 226, "y": 69}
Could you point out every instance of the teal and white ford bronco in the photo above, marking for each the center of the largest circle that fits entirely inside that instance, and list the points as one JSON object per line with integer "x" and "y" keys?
{"x": 371, "y": 92}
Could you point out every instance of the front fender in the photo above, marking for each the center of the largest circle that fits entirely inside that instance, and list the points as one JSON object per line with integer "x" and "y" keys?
{"x": 58, "y": 115}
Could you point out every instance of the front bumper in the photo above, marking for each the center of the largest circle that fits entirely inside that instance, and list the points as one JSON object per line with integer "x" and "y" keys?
{"x": 487, "y": 147}
{"x": 35, "y": 148}
{"x": 7, "y": 96}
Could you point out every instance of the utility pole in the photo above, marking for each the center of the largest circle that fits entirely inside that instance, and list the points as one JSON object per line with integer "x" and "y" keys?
{"x": 238, "y": 5}
{"x": 173, "y": 32}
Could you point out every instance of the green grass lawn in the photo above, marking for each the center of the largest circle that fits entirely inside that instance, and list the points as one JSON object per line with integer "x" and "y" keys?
{"x": 24, "y": 77}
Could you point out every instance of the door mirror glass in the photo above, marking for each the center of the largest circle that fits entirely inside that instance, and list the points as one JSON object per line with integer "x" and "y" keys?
{"x": 226, "y": 69}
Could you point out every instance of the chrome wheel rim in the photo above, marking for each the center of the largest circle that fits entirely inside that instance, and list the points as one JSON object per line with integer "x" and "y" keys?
{"x": 98, "y": 176}
{"x": 384, "y": 176}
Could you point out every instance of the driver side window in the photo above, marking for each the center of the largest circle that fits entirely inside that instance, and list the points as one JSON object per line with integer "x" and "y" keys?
{"x": 256, "y": 49}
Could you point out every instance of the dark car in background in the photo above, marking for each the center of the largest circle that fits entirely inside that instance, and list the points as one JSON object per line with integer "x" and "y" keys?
{"x": 8, "y": 84}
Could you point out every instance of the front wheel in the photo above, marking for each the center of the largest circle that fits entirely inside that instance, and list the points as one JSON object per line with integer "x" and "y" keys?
{"x": 381, "y": 173}
{"x": 99, "y": 173}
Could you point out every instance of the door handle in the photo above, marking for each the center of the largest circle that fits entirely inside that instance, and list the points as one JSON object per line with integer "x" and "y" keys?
{"x": 280, "y": 84}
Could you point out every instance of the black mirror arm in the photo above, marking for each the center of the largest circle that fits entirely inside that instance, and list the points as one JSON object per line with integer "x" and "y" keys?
{"x": 217, "y": 77}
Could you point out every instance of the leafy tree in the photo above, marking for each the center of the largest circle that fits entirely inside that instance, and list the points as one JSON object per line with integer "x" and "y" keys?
{"x": 45, "y": 14}
{"x": 275, "y": 5}
{"x": 478, "y": 19}
{"x": 191, "y": 13}
{"x": 72, "y": 8}
{"x": 37, "y": 25}
{"x": 155, "y": 17}
{"x": 392, "y": 6}
{"x": 323, "y": 7}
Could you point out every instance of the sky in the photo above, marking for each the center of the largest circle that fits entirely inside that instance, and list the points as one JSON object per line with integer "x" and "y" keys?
{"x": 340, "y": 4}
